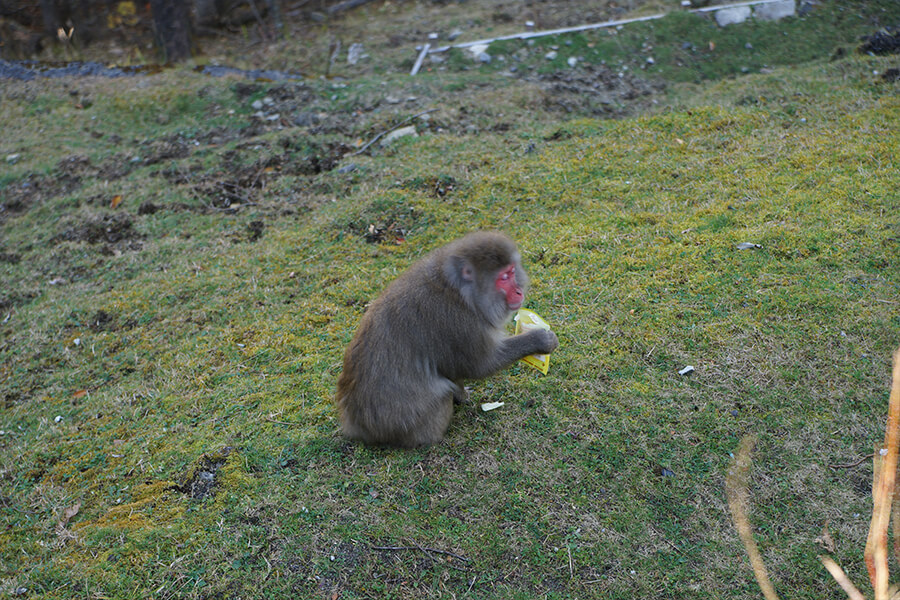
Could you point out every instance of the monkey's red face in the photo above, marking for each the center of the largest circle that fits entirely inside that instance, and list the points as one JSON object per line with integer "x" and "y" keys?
{"x": 506, "y": 283}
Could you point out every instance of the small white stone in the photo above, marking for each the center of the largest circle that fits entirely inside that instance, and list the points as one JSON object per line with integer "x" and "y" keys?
{"x": 732, "y": 16}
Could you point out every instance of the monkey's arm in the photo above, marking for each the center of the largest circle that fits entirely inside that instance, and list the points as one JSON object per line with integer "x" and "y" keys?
{"x": 510, "y": 349}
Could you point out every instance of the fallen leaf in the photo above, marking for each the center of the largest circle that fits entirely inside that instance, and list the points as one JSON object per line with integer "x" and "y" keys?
{"x": 116, "y": 201}
{"x": 79, "y": 394}
{"x": 826, "y": 541}
{"x": 69, "y": 513}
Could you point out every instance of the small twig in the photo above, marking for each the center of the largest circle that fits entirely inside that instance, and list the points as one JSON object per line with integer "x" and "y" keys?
{"x": 397, "y": 126}
{"x": 851, "y": 465}
{"x": 428, "y": 552}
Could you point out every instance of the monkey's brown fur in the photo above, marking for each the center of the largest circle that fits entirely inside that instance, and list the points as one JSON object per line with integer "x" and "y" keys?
{"x": 438, "y": 323}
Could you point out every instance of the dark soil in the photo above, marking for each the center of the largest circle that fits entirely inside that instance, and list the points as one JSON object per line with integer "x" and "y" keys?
{"x": 596, "y": 90}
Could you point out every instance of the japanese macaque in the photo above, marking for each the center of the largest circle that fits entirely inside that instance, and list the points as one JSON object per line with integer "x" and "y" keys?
{"x": 440, "y": 322}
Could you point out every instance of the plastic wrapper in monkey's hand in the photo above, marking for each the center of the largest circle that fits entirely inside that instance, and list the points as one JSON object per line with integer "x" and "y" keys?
{"x": 526, "y": 320}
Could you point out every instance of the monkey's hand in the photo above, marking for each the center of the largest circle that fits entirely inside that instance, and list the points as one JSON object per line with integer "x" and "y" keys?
{"x": 545, "y": 341}
{"x": 536, "y": 341}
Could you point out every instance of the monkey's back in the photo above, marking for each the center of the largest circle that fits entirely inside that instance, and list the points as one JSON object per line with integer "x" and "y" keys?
{"x": 410, "y": 348}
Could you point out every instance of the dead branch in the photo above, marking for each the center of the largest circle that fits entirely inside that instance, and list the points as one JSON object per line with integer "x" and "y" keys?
{"x": 853, "y": 464}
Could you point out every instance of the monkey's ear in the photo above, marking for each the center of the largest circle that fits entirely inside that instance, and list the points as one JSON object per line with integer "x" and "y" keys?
{"x": 459, "y": 271}
{"x": 467, "y": 272}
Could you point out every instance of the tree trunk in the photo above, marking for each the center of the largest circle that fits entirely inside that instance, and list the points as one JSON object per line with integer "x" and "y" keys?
{"x": 50, "y": 14}
{"x": 173, "y": 28}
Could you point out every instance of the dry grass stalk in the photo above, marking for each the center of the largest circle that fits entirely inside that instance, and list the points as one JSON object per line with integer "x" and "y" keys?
{"x": 838, "y": 573}
{"x": 884, "y": 508}
{"x": 884, "y": 480}
{"x": 736, "y": 487}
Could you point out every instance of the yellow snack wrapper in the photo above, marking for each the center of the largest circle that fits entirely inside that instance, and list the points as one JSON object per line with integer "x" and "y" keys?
{"x": 525, "y": 320}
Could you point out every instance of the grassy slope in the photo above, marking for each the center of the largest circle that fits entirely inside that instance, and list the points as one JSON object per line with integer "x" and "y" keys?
{"x": 603, "y": 479}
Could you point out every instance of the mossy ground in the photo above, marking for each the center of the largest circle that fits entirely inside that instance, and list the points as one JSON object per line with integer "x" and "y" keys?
{"x": 168, "y": 358}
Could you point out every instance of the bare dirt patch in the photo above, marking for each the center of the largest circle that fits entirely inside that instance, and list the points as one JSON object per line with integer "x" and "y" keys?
{"x": 115, "y": 233}
{"x": 596, "y": 90}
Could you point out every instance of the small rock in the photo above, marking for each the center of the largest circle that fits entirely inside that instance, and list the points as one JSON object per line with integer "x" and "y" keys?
{"x": 399, "y": 133}
{"x": 268, "y": 101}
{"x": 354, "y": 53}
{"x": 477, "y": 49}
{"x": 732, "y": 16}
{"x": 433, "y": 36}
{"x": 551, "y": 55}
{"x": 484, "y": 58}
{"x": 12, "y": 158}
{"x": 774, "y": 11}
{"x": 651, "y": 60}
{"x": 687, "y": 370}
{"x": 454, "y": 34}
{"x": 572, "y": 61}
{"x": 257, "y": 105}
{"x": 348, "y": 168}
{"x": 306, "y": 119}
{"x": 529, "y": 24}
{"x": 748, "y": 246}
